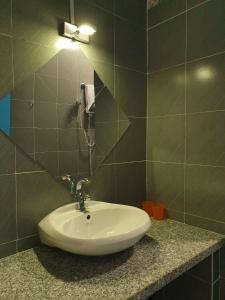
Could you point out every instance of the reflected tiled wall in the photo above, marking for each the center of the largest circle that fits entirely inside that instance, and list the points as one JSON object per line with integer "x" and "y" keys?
{"x": 45, "y": 122}
{"x": 28, "y": 39}
{"x": 186, "y": 110}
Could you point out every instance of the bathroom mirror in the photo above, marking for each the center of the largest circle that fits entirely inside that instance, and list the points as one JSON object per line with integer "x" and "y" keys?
{"x": 63, "y": 116}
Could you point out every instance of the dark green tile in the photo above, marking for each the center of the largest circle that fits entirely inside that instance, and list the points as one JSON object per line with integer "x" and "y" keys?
{"x": 69, "y": 139}
{"x": 216, "y": 266}
{"x": 108, "y": 5}
{"x": 39, "y": 27}
{"x": 5, "y": 17}
{"x": 103, "y": 185}
{"x": 205, "y": 192}
{"x": 105, "y": 72}
{"x": 106, "y": 107}
{"x": 130, "y": 183}
{"x": 222, "y": 262}
{"x": 205, "y": 84}
{"x": 6, "y": 70}
{"x": 7, "y": 155}
{"x": 68, "y": 163}
{"x": 28, "y": 243}
{"x": 132, "y": 146}
{"x": 49, "y": 162}
{"x": 29, "y": 57}
{"x": 50, "y": 68}
{"x": 222, "y": 289}
{"x": 24, "y": 90}
{"x": 131, "y": 91}
{"x": 166, "y": 92}
{"x": 132, "y": 10}
{"x": 46, "y": 140}
{"x": 7, "y": 249}
{"x": 207, "y": 224}
{"x": 21, "y": 114}
{"x": 206, "y": 38}
{"x": 165, "y": 183}
{"x": 165, "y": 10}
{"x": 37, "y": 195}
{"x": 130, "y": 45}
{"x": 106, "y": 137}
{"x": 175, "y": 215}
{"x": 203, "y": 270}
{"x": 158, "y": 295}
{"x": 102, "y": 42}
{"x": 24, "y": 137}
{"x": 7, "y": 208}
{"x": 25, "y": 163}
{"x": 167, "y": 44}
{"x": 205, "y": 144}
{"x": 45, "y": 115}
{"x": 165, "y": 141}
{"x": 180, "y": 289}
{"x": 216, "y": 290}
{"x": 192, "y": 3}
{"x": 45, "y": 89}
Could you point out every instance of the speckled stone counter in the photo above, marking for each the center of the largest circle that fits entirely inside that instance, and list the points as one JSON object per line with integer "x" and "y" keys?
{"x": 168, "y": 250}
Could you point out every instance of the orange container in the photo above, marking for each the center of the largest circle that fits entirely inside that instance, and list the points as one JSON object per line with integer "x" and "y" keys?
{"x": 148, "y": 207}
{"x": 158, "y": 211}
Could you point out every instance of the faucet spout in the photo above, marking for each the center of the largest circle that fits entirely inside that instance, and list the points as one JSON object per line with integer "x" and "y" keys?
{"x": 78, "y": 190}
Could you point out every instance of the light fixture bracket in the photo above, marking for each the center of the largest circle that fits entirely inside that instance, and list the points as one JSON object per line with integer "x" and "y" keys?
{"x": 71, "y": 31}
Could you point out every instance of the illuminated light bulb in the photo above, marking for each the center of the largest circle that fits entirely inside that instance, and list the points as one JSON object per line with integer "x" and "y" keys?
{"x": 86, "y": 29}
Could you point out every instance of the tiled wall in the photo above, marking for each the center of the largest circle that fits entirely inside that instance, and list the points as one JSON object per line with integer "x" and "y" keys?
{"x": 186, "y": 110}
{"x": 44, "y": 120}
{"x": 202, "y": 282}
{"x": 28, "y": 40}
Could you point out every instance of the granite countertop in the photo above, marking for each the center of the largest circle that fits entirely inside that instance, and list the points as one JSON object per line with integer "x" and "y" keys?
{"x": 169, "y": 249}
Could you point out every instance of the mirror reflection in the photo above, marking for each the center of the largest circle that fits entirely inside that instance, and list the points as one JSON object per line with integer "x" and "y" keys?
{"x": 62, "y": 116}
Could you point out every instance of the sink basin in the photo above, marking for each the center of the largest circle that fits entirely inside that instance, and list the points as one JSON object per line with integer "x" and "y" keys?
{"x": 105, "y": 228}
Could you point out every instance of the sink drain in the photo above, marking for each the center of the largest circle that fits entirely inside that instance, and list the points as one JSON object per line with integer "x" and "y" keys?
{"x": 88, "y": 217}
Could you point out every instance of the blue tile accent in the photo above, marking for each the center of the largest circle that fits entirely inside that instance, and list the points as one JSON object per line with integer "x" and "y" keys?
{"x": 5, "y": 114}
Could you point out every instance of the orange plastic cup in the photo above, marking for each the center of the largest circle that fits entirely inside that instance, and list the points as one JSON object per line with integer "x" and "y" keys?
{"x": 158, "y": 210}
{"x": 148, "y": 207}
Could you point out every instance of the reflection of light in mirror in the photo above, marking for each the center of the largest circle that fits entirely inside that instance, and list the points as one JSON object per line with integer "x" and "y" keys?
{"x": 204, "y": 73}
{"x": 63, "y": 43}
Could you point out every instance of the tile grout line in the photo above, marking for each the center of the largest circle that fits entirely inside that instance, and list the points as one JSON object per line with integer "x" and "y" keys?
{"x": 147, "y": 106}
{"x": 185, "y": 114}
{"x": 16, "y": 197}
{"x": 179, "y": 14}
{"x": 188, "y": 62}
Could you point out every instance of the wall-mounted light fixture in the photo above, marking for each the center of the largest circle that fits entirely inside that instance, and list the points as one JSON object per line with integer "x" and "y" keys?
{"x": 75, "y": 33}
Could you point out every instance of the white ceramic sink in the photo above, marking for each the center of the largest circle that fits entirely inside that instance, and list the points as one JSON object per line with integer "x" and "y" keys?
{"x": 106, "y": 228}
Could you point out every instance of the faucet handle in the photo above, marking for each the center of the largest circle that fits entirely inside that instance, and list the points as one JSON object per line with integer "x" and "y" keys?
{"x": 70, "y": 179}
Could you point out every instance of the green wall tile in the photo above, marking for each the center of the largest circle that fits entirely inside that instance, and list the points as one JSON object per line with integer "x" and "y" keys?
{"x": 205, "y": 192}
{"x": 5, "y": 17}
{"x": 7, "y": 155}
{"x": 130, "y": 183}
{"x": 132, "y": 146}
{"x": 6, "y": 70}
{"x": 165, "y": 10}
{"x": 166, "y": 92}
{"x": 7, "y": 249}
{"x": 102, "y": 42}
{"x": 166, "y": 44}
{"x": 205, "y": 84}
{"x": 38, "y": 21}
{"x": 132, "y": 10}
{"x": 130, "y": 91}
{"x": 206, "y": 38}
{"x": 165, "y": 140}
{"x": 165, "y": 183}
{"x": 205, "y": 144}
{"x": 130, "y": 45}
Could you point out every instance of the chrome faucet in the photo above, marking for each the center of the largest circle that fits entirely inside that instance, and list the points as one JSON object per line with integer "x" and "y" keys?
{"x": 78, "y": 190}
